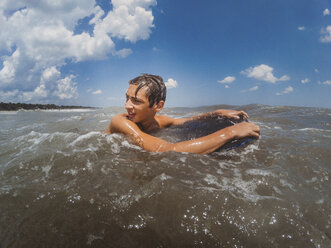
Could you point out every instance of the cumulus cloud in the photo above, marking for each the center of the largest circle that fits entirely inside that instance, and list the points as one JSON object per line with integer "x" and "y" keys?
{"x": 126, "y": 17}
{"x": 263, "y": 73}
{"x": 254, "y": 88}
{"x": 35, "y": 35}
{"x": 326, "y": 12}
{"x": 8, "y": 96}
{"x": 287, "y": 90}
{"x": 327, "y": 82}
{"x": 227, "y": 80}
{"x": 306, "y": 80}
{"x": 97, "y": 92}
{"x": 39, "y": 92}
{"x": 326, "y": 32}
{"x": 302, "y": 28}
{"x": 171, "y": 83}
{"x": 66, "y": 88}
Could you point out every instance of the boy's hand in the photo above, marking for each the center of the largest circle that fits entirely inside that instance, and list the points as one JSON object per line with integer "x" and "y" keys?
{"x": 231, "y": 114}
{"x": 245, "y": 129}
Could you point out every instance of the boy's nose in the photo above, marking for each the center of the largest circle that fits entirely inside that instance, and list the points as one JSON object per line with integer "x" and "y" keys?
{"x": 128, "y": 104}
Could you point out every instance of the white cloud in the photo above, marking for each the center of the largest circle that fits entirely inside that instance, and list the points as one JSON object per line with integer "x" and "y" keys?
{"x": 227, "y": 87}
{"x": 227, "y": 80}
{"x": 123, "y": 52}
{"x": 97, "y": 92}
{"x": 316, "y": 70}
{"x": 39, "y": 92}
{"x": 8, "y": 96}
{"x": 326, "y": 12}
{"x": 130, "y": 19}
{"x": 287, "y": 90}
{"x": 171, "y": 83}
{"x": 327, "y": 34}
{"x": 35, "y": 35}
{"x": 263, "y": 73}
{"x": 47, "y": 80}
{"x": 306, "y": 80}
{"x": 284, "y": 78}
{"x": 302, "y": 28}
{"x": 327, "y": 82}
{"x": 7, "y": 73}
{"x": 66, "y": 88}
{"x": 50, "y": 74}
{"x": 254, "y": 88}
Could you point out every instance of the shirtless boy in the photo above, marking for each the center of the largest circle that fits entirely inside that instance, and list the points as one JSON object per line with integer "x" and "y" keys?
{"x": 145, "y": 97}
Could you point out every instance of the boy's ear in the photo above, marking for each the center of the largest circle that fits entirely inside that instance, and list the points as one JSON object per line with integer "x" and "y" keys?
{"x": 159, "y": 106}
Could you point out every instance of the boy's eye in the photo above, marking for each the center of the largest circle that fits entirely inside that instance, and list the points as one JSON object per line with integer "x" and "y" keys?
{"x": 135, "y": 100}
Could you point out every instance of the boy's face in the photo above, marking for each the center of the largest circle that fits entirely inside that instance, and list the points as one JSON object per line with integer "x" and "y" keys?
{"x": 138, "y": 106}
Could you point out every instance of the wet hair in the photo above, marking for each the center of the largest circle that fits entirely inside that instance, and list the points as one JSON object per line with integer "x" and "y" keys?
{"x": 156, "y": 89}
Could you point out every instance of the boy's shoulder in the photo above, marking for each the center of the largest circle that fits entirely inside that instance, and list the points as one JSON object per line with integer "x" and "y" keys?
{"x": 117, "y": 123}
{"x": 164, "y": 120}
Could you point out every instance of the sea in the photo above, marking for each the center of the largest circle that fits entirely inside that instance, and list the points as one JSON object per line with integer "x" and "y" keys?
{"x": 65, "y": 183}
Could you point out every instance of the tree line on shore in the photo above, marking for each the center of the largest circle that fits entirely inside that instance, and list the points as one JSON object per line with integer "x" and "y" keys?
{"x": 29, "y": 106}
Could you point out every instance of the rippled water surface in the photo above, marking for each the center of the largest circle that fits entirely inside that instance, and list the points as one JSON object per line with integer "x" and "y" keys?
{"x": 63, "y": 183}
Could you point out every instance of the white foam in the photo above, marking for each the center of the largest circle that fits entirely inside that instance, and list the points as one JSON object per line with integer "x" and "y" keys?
{"x": 91, "y": 238}
{"x": 33, "y": 137}
{"x": 183, "y": 159}
{"x": 115, "y": 148}
{"x": 287, "y": 184}
{"x": 164, "y": 177}
{"x": 76, "y": 117}
{"x": 33, "y": 126}
{"x": 204, "y": 162}
{"x": 65, "y": 136}
{"x": 74, "y": 198}
{"x": 46, "y": 169}
{"x": 71, "y": 172}
{"x": 84, "y": 137}
{"x": 236, "y": 186}
{"x": 126, "y": 144}
{"x": 210, "y": 179}
{"x": 312, "y": 129}
{"x": 65, "y": 110}
{"x": 8, "y": 112}
{"x": 314, "y": 179}
{"x": 89, "y": 166}
{"x": 259, "y": 172}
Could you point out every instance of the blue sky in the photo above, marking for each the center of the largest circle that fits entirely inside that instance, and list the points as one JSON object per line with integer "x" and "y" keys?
{"x": 236, "y": 52}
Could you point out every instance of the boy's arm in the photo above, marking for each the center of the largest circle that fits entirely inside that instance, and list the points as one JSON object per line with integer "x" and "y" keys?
{"x": 201, "y": 145}
{"x": 230, "y": 114}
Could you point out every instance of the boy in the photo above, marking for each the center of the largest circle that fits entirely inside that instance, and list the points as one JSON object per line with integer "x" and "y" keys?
{"x": 145, "y": 97}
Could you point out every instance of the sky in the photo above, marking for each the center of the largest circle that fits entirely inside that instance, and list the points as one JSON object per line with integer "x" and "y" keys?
{"x": 235, "y": 52}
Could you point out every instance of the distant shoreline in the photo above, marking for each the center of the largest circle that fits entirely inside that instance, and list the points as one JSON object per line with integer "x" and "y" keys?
{"x": 29, "y": 106}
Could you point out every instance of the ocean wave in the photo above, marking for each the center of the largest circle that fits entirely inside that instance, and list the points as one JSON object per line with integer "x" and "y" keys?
{"x": 313, "y": 130}
{"x": 8, "y": 112}
{"x": 59, "y": 166}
